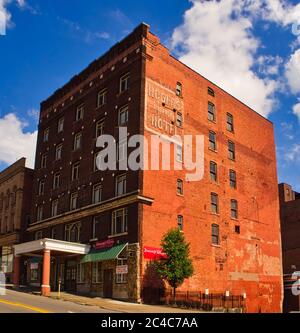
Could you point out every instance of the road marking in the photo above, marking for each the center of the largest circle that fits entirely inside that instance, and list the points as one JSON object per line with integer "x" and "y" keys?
{"x": 20, "y": 305}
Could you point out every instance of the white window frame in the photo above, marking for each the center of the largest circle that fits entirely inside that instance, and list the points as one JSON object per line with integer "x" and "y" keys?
{"x": 102, "y": 98}
{"x": 95, "y": 222}
{"x": 80, "y": 273}
{"x": 44, "y": 161}
{"x": 80, "y": 112}
{"x": 56, "y": 180}
{"x": 39, "y": 214}
{"x": 97, "y": 187}
{"x": 99, "y": 128}
{"x": 123, "y": 213}
{"x": 58, "y": 152}
{"x": 124, "y": 79}
{"x": 124, "y": 110}
{"x": 75, "y": 166}
{"x": 60, "y": 125}
{"x": 96, "y": 277}
{"x": 77, "y": 141}
{"x": 54, "y": 208}
{"x": 46, "y": 134}
{"x": 41, "y": 189}
{"x": 121, "y": 179}
{"x": 74, "y": 196}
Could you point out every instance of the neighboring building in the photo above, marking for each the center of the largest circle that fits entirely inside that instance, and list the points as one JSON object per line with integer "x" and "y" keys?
{"x": 15, "y": 205}
{"x": 290, "y": 230}
{"x": 102, "y": 229}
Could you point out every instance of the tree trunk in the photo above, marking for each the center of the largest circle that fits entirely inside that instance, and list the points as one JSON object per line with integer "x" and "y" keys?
{"x": 174, "y": 294}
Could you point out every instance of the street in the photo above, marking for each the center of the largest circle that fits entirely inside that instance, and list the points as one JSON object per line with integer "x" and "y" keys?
{"x": 18, "y": 302}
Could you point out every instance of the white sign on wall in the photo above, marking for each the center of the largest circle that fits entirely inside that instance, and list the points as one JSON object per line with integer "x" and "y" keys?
{"x": 122, "y": 269}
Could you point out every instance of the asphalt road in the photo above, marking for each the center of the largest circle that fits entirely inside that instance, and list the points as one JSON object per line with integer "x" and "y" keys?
{"x": 18, "y": 302}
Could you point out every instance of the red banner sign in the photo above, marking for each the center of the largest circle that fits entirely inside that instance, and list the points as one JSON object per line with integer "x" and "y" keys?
{"x": 104, "y": 245}
{"x": 154, "y": 253}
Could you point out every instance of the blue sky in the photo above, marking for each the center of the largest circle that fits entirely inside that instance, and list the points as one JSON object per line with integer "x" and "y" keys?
{"x": 47, "y": 42}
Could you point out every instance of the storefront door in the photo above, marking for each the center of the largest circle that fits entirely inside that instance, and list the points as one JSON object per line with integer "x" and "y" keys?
{"x": 70, "y": 283}
{"x": 108, "y": 283}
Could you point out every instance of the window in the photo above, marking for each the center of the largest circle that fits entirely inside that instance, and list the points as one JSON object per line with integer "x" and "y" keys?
{"x": 124, "y": 82}
{"x": 211, "y": 112}
{"x": 72, "y": 232}
{"x": 179, "y": 120}
{"x": 180, "y": 222}
{"x": 212, "y": 141}
{"x": 77, "y": 141}
{"x": 44, "y": 161}
{"x": 75, "y": 171}
{"x": 121, "y": 150}
{"x": 58, "y": 152}
{"x": 41, "y": 187}
{"x": 179, "y": 187}
{"x": 234, "y": 209}
{"x": 96, "y": 227}
{"x": 54, "y": 208}
{"x": 210, "y": 92}
{"x": 79, "y": 112}
{"x": 230, "y": 126}
{"x": 122, "y": 276}
{"x": 80, "y": 273}
{"x": 179, "y": 89}
{"x": 99, "y": 128}
{"x": 123, "y": 116}
{"x": 38, "y": 235}
{"x": 119, "y": 222}
{"x": 97, "y": 193}
{"x": 214, "y": 203}
{"x": 56, "y": 181}
{"x": 179, "y": 153}
{"x": 215, "y": 231}
{"x": 232, "y": 178}
{"x": 46, "y": 134}
{"x": 213, "y": 171}
{"x": 102, "y": 98}
{"x": 237, "y": 229}
{"x": 120, "y": 185}
{"x": 53, "y": 233}
{"x": 13, "y": 197}
{"x": 74, "y": 201}
{"x": 97, "y": 276}
{"x": 231, "y": 150}
{"x": 39, "y": 213}
{"x": 34, "y": 274}
{"x": 60, "y": 125}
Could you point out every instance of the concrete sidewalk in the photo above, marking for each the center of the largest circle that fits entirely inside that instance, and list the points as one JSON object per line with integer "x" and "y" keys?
{"x": 114, "y": 305}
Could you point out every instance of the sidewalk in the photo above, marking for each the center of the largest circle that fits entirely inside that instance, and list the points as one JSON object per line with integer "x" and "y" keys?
{"x": 120, "y": 306}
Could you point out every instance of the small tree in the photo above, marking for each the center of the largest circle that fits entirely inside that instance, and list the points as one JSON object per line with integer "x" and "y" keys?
{"x": 177, "y": 266}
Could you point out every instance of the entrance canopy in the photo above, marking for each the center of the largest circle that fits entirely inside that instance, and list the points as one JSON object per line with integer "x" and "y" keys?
{"x": 104, "y": 255}
{"x": 53, "y": 245}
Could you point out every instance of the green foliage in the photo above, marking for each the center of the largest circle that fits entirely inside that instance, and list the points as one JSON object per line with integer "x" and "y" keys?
{"x": 178, "y": 266}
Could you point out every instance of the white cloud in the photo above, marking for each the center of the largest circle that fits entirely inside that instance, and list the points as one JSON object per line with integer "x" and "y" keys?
{"x": 34, "y": 114}
{"x": 216, "y": 40}
{"x": 296, "y": 110}
{"x": 293, "y": 154}
{"x": 293, "y": 72}
{"x": 15, "y": 142}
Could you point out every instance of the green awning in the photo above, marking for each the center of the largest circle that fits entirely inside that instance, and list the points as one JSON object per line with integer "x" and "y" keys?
{"x": 103, "y": 255}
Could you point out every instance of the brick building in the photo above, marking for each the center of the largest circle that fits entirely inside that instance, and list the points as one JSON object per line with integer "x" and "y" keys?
{"x": 15, "y": 205}
{"x": 97, "y": 231}
{"x": 290, "y": 230}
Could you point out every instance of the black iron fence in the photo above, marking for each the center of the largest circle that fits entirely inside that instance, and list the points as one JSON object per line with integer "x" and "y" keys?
{"x": 195, "y": 300}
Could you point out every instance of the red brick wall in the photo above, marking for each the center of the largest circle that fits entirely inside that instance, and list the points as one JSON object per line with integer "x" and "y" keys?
{"x": 252, "y": 260}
